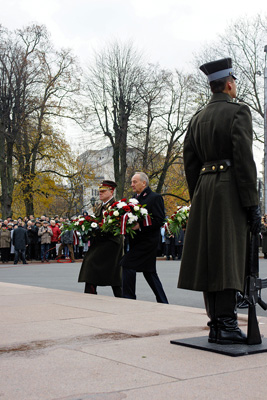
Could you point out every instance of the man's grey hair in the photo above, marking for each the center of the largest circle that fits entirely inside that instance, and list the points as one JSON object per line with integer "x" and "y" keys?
{"x": 143, "y": 177}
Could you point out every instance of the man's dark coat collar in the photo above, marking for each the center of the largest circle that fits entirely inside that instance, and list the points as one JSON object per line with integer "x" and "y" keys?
{"x": 144, "y": 193}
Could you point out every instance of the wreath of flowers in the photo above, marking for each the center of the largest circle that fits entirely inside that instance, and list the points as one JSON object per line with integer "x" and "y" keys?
{"x": 122, "y": 216}
{"x": 178, "y": 220}
{"x": 88, "y": 225}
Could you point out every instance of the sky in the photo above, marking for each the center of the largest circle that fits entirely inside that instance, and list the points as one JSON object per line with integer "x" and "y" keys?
{"x": 168, "y": 32}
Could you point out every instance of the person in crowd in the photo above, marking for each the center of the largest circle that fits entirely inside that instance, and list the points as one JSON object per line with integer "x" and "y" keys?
{"x": 142, "y": 253}
{"x": 66, "y": 241}
{"x": 55, "y": 239}
{"x": 222, "y": 182}
{"x": 162, "y": 242}
{"x": 20, "y": 242}
{"x": 45, "y": 233}
{"x": 5, "y": 239}
{"x": 101, "y": 264}
{"x": 38, "y": 225}
{"x": 180, "y": 243}
{"x": 12, "y": 248}
{"x": 31, "y": 240}
{"x": 169, "y": 245}
{"x": 76, "y": 244}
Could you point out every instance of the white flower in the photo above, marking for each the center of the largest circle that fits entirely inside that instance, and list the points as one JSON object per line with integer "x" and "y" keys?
{"x": 116, "y": 213}
{"x": 136, "y": 208}
{"x": 83, "y": 228}
{"x": 134, "y": 201}
{"x": 132, "y": 218}
{"x": 81, "y": 219}
{"x": 76, "y": 223}
{"x": 110, "y": 221}
{"x": 94, "y": 225}
{"x": 121, "y": 204}
{"x": 143, "y": 211}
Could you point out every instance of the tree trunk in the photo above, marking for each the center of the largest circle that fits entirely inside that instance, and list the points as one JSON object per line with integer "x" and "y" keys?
{"x": 7, "y": 184}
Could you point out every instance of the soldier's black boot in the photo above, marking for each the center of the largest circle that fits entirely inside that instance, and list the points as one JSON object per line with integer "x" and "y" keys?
{"x": 228, "y": 331}
{"x": 209, "y": 299}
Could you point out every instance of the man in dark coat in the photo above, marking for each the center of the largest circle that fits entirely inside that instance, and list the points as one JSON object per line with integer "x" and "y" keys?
{"x": 20, "y": 242}
{"x": 221, "y": 177}
{"x": 101, "y": 264}
{"x": 142, "y": 253}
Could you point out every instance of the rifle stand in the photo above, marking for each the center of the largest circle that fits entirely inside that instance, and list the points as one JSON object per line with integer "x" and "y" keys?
{"x": 233, "y": 350}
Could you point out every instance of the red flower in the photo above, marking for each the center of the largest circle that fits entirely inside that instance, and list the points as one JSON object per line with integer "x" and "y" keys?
{"x": 111, "y": 213}
{"x": 126, "y": 208}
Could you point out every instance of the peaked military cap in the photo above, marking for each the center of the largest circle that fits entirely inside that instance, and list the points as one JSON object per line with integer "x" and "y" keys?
{"x": 218, "y": 69}
{"x": 107, "y": 185}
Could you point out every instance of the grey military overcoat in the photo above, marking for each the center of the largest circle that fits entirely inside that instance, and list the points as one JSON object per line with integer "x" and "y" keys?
{"x": 215, "y": 249}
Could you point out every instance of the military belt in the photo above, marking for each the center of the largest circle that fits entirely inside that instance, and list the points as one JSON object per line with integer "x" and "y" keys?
{"x": 215, "y": 166}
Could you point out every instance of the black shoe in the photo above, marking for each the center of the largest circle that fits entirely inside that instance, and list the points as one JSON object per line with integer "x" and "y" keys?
{"x": 231, "y": 337}
{"x": 213, "y": 333}
{"x": 25, "y": 263}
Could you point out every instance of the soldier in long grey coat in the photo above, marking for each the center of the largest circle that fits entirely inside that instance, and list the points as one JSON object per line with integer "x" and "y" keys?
{"x": 221, "y": 177}
{"x": 101, "y": 264}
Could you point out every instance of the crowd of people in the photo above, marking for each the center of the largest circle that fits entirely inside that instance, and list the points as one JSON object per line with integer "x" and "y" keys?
{"x": 43, "y": 241}
{"x": 38, "y": 239}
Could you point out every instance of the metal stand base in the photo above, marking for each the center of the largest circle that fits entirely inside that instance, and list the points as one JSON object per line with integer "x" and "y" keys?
{"x": 233, "y": 350}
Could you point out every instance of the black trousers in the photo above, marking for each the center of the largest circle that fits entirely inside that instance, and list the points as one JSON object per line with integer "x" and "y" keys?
{"x": 221, "y": 304}
{"x": 129, "y": 285}
{"x": 91, "y": 288}
{"x": 5, "y": 251}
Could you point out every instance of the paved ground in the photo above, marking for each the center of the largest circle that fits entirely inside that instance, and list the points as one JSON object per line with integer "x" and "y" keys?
{"x": 61, "y": 345}
{"x": 64, "y": 277}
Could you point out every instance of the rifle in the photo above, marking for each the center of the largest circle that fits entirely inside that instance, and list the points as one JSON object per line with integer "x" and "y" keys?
{"x": 253, "y": 292}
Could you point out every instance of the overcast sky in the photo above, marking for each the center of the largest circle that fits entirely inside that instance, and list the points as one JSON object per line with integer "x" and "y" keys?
{"x": 168, "y": 32}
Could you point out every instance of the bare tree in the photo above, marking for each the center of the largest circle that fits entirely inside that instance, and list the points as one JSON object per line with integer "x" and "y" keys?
{"x": 13, "y": 69}
{"x": 41, "y": 83}
{"x": 243, "y": 41}
{"x": 112, "y": 89}
{"x": 167, "y": 101}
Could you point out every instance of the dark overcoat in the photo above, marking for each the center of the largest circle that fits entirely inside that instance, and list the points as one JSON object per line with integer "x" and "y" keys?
{"x": 101, "y": 264}
{"x": 20, "y": 238}
{"x": 215, "y": 249}
{"x": 142, "y": 252}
